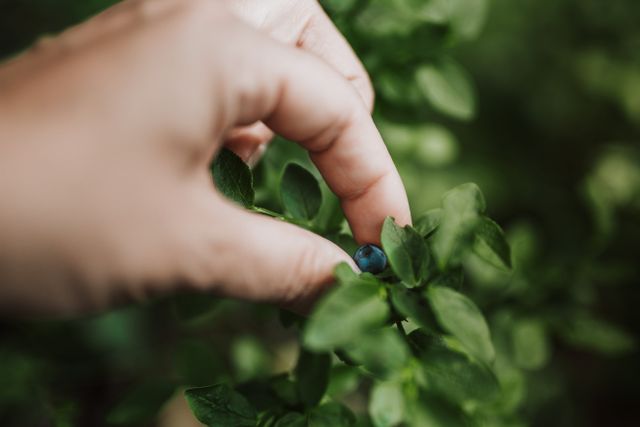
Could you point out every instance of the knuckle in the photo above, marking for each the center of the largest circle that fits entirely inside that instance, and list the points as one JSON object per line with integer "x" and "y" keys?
{"x": 199, "y": 11}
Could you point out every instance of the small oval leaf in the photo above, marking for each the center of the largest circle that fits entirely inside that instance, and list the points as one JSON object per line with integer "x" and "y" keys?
{"x": 406, "y": 251}
{"x": 233, "y": 178}
{"x": 491, "y": 245}
{"x": 448, "y": 88}
{"x": 345, "y": 314}
{"x": 300, "y": 192}
{"x": 220, "y": 405}
{"x": 459, "y": 316}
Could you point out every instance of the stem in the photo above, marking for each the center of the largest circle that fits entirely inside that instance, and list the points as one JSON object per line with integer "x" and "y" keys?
{"x": 299, "y": 223}
{"x": 267, "y": 212}
{"x": 401, "y": 328}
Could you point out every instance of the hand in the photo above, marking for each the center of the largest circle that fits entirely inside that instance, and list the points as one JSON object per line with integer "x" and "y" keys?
{"x": 106, "y": 135}
{"x": 303, "y": 24}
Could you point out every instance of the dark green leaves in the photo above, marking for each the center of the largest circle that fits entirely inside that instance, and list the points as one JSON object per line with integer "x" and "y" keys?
{"x": 426, "y": 410}
{"x": 292, "y": 419}
{"x": 141, "y": 404}
{"x": 300, "y": 192}
{"x": 461, "y": 209}
{"x": 327, "y": 415}
{"x": 406, "y": 251}
{"x": 490, "y": 244}
{"x": 460, "y": 227}
{"x": 345, "y": 314}
{"x": 331, "y": 415}
{"x": 381, "y": 352}
{"x": 233, "y": 178}
{"x": 424, "y": 379}
{"x": 413, "y": 306}
{"x": 455, "y": 377}
{"x": 428, "y": 222}
{"x": 219, "y": 405}
{"x": 459, "y": 316}
{"x": 312, "y": 373}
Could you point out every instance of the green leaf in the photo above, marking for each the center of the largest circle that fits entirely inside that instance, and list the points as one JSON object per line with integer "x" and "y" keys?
{"x": 285, "y": 389}
{"x": 468, "y": 17}
{"x": 381, "y": 352}
{"x": 386, "y": 405}
{"x": 345, "y": 241}
{"x": 428, "y": 222}
{"x": 491, "y": 245}
{"x": 459, "y": 316}
{"x": 461, "y": 209}
{"x": 338, "y": 6}
{"x": 344, "y": 380}
{"x": 466, "y": 199}
{"x": 141, "y": 404}
{"x": 268, "y": 418}
{"x": 331, "y": 414}
{"x": 426, "y": 410}
{"x": 233, "y": 178}
{"x": 269, "y": 394}
{"x": 300, "y": 192}
{"x": 312, "y": 373}
{"x": 330, "y": 216}
{"x": 250, "y": 358}
{"x": 407, "y": 252}
{"x": 292, "y": 419}
{"x": 384, "y": 18}
{"x": 465, "y": 17}
{"x": 448, "y": 88}
{"x": 585, "y": 331}
{"x": 420, "y": 340}
{"x": 453, "y": 278}
{"x": 344, "y": 274}
{"x": 451, "y": 374}
{"x": 345, "y": 314}
{"x": 530, "y": 343}
{"x": 413, "y": 306}
{"x": 220, "y": 405}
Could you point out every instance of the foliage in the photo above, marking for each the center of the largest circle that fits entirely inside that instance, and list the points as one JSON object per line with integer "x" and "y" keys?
{"x": 534, "y": 326}
{"x": 444, "y": 362}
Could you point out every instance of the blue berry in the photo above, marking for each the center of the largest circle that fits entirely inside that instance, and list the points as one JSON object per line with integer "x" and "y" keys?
{"x": 370, "y": 259}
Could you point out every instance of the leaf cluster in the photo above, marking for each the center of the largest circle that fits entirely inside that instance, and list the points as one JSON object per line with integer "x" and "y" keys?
{"x": 422, "y": 344}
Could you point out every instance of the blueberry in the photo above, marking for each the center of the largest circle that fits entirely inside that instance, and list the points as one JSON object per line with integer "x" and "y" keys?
{"x": 370, "y": 259}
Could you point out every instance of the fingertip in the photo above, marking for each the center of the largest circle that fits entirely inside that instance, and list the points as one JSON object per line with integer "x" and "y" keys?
{"x": 366, "y": 213}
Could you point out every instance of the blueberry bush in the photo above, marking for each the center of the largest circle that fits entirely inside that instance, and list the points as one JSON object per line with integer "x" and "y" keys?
{"x": 420, "y": 348}
{"x": 538, "y": 102}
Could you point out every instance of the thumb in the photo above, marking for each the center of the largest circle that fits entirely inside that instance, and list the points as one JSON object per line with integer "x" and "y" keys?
{"x": 264, "y": 259}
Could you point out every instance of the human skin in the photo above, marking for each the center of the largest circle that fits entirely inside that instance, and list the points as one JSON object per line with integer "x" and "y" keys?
{"x": 106, "y": 135}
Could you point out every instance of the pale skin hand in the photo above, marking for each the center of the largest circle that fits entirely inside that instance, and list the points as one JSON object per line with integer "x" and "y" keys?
{"x": 303, "y": 24}
{"x": 106, "y": 134}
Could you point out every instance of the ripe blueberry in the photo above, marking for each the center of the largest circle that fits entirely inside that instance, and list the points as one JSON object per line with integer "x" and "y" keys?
{"x": 370, "y": 259}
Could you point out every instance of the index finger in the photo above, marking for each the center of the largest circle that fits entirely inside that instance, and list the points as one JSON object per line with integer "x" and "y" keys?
{"x": 305, "y": 24}
{"x": 321, "y": 37}
{"x": 303, "y": 99}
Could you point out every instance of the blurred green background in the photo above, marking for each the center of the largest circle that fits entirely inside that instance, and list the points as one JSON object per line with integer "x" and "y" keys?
{"x": 538, "y": 101}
